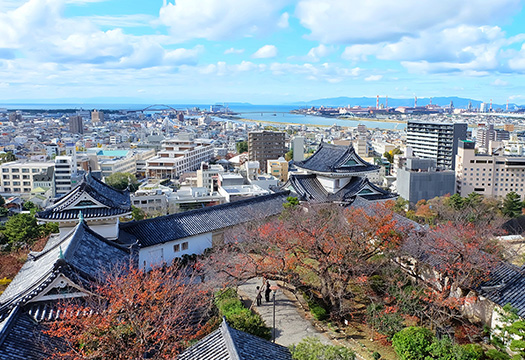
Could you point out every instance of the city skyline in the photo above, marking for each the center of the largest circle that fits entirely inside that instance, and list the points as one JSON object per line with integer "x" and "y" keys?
{"x": 262, "y": 52}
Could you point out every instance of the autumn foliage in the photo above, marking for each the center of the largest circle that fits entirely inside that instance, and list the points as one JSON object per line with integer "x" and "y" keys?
{"x": 134, "y": 315}
{"x": 324, "y": 248}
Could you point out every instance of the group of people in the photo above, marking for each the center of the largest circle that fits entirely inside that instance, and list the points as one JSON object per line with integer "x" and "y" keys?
{"x": 267, "y": 292}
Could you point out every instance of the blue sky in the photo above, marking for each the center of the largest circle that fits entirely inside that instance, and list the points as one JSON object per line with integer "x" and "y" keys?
{"x": 259, "y": 51}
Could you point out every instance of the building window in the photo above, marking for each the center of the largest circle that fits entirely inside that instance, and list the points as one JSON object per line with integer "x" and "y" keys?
{"x": 185, "y": 245}
{"x": 15, "y": 170}
{"x": 25, "y": 170}
{"x": 176, "y": 248}
{"x": 5, "y": 170}
{"x": 25, "y": 177}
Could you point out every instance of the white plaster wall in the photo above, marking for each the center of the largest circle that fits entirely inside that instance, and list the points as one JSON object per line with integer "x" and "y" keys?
{"x": 156, "y": 255}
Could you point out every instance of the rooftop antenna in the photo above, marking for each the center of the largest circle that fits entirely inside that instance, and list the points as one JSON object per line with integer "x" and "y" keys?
{"x": 415, "y": 101}
{"x": 377, "y": 102}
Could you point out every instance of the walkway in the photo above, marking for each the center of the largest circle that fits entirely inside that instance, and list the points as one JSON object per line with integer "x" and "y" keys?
{"x": 291, "y": 322}
{"x": 291, "y": 328}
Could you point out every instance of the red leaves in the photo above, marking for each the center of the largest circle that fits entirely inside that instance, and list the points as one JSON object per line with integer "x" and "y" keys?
{"x": 134, "y": 314}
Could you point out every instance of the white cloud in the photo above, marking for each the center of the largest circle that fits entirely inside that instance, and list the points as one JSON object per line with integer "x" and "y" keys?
{"x": 359, "y": 52}
{"x": 283, "y": 20}
{"x": 321, "y": 51}
{"x": 265, "y": 52}
{"x": 374, "y": 21}
{"x": 374, "y": 78}
{"x": 221, "y": 19}
{"x": 499, "y": 82}
{"x": 233, "y": 51}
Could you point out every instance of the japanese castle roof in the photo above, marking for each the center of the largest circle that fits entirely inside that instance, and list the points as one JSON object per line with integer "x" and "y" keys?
{"x": 112, "y": 202}
{"x": 308, "y": 188}
{"x": 190, "y": 223}
{"x": 82, "y": 255}
{"x": 506, "y": 285}
{"x": 227, "y": 343}
{"x": 22, "y": 338}
{"x": 336, "y": 159}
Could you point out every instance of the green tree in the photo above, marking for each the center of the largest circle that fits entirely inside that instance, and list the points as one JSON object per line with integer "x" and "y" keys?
{"x": 137, "y": 213}
{"x": 456, "y": 202}
{"x": 512, "y": 205}
{"x": 20, "y": 230}
{"x": 289, "y": 155}
{"x": 2, "y": 200}
{"x": 511, "y": 334}
{"x": 389, "y": 155}
{"x": 29, "y": 206}
{"x": 291, "y": 202}
{"x": 121, "y": 181}
{"x": 311, "y": 348}
{"x": 7, "y": 157}
{"x": 242, "y": 147}
{"x": 412, "y": 343}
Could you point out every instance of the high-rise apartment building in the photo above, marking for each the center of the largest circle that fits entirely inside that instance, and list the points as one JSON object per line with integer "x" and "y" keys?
{"x": 264, "y": 146}
{"x": 76, "y": 125}
{"x": 97, "y": 116}
{"x": 433, "y": 140}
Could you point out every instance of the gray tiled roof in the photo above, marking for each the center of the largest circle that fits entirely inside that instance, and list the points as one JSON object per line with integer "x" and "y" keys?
{"x": 226, "y": 343}
{"x": 506, "y": 285}
{"x": 336, "y": 159}
{"x": 181, "y": 225}
{"x": 117, "y": 202}
{"x": 308, "y": 187}
{"x": 82, "y": 252}
{"x": 22, "y": 338}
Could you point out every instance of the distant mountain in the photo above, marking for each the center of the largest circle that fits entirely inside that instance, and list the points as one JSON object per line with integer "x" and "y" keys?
{"x": 392, "y": 102}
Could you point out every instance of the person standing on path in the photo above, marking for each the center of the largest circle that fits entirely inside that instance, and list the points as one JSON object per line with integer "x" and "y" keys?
{"x": 267, "y": 292}
{"x": 258, "y": 297}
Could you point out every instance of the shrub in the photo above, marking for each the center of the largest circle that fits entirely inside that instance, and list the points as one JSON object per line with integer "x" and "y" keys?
{"x": 494, "y": 354}
{"x": 412, "y": 343}
{"x": 318, "y": 311}
{"x": 238, "y": 317}
{"x": 384, "y": 322}
{"x": 376, "y": 355}
{"x": 312, "y": 349}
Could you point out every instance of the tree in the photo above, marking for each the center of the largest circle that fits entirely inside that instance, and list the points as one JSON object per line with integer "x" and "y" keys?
{"x": 137, "y": 213}
{"x": 7, "y": 157}
{"x": 311, "y": 348}
{"x": 2, "y": 200}
{"x": 512, "y": 205}
{"x": 325, "y": 249}
{"x": 412, "y": 343}
{"x": 242, "y": 147}
{"x": 511, "y": 333}
{"x": 20, "y": 230}
{"x": 123, "y": 181}
{"x": 134, "y": 315}
{"x": 291, "y": 202}
{"x": 289, "y": 155}
{"x": 29, "y": 206}
{"x": 389, "y": 155}
{"x": 461, "y": 257}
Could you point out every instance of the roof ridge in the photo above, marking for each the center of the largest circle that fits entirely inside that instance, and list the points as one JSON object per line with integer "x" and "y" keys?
{"x": 228, "y": 340}
{"x": 234, "y": 204}
{"x": 7, "y": 322}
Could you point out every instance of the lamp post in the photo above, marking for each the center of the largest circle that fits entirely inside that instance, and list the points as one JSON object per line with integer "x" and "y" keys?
{"x": 274, "y": 288}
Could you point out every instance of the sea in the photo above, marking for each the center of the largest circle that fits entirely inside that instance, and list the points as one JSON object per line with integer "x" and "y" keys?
{"x": 271, "y": 114}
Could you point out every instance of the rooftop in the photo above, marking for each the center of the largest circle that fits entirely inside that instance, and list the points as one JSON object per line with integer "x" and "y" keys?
{"x": 190, "y": 223}
{"x": 227, "y": 343}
